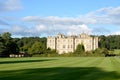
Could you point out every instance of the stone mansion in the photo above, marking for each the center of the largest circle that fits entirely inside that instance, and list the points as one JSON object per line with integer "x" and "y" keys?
{"x": 65, "y": 44}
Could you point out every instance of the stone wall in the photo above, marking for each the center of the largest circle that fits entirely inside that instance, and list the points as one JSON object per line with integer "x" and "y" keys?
{"x": 65, "y": 44}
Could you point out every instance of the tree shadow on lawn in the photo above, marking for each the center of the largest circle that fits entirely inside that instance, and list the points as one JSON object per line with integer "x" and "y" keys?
{"x": 24, "y": 61}
{"x": 60, "y": 73}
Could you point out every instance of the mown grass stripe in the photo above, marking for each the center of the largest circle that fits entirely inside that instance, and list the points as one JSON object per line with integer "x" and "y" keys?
{"x": 96, "y": 62}
{"x": 75, "y": 62}
{"x": 115, "y": 64}
{"x": 61, "y": 68}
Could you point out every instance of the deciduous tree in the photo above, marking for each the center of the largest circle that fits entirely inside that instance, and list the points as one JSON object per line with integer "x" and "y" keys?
{"x": 80, "y": 49}
{"x": 37, "y": 48}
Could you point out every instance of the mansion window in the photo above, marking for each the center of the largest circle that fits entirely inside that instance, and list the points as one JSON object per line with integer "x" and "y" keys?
{"x": 63, "y": 46}
{"x": 68, "y": 46}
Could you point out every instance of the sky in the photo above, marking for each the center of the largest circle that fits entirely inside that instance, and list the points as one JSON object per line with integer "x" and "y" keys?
{"x": 42, "y": 18}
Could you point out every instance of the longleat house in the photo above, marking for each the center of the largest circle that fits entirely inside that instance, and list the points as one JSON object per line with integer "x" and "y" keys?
{"x": 65, "y": 44}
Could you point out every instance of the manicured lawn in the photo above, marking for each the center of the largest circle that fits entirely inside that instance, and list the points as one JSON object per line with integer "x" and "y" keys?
{"x": 60, "y": 68}
{"x": 116, "y": 51}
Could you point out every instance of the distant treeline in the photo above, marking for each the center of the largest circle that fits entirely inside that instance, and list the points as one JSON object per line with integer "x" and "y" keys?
{"x": 29, "y": 45}
{"x": 37, "y": 46}
{"x": 110, "y": 42}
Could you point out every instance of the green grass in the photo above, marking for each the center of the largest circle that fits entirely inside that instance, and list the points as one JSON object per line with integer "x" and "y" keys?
{"x": 60, "y": 68}
{"x": 116, "y": 51}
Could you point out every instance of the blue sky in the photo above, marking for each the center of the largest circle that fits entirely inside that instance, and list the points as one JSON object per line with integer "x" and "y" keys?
{"x": 48, "y": 17}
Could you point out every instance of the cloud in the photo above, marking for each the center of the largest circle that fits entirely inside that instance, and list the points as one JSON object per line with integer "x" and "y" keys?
{"x": 51, "y": 25}
{"x": 100, "y": 30}
{"x": 10, "y": 5}
{"x": 39, "y": 30}
{"x": 116, "y": 33}
{"x": 23, "y": 30}
{"x": 109, "y": 15}
{"x": 51, "y": 20}
{"x": 77, "y": 29}
{"x": 54, "y": 24}
{"x": 59, "y": 20}
{"x": 3, "y": 22}
{"x": 66, "y": 25}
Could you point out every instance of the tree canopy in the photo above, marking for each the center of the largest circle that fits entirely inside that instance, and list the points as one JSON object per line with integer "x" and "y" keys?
{"x": 37, "y": 45}
{"x": 7, "y": 45}
{"x": 109, "y": 42}
{"x": 37, "y": 48}
{"x": 80, "y": 49}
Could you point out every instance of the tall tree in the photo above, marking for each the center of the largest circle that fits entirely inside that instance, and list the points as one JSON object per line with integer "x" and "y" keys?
{"x": 80, "y": 49}
{"x": 37, "y": 48}
{"x": 12, "y": 48}
{"x": 110, "y": 42}
{"x": 2, "y": 47}
{"x": 6, "y": 35}
{"x": 7, "y": 45}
